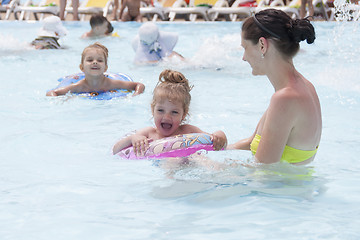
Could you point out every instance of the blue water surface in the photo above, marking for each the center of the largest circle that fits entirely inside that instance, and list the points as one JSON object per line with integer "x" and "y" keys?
{"x": 59, "y": 180}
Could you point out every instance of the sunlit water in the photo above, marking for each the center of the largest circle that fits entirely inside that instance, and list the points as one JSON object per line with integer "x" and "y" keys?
{"x": 59, "y": 180}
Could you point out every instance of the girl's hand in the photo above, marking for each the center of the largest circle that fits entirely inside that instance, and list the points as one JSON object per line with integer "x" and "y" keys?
{"x": 140, "y": 144}
{"x": 219, "y": 140}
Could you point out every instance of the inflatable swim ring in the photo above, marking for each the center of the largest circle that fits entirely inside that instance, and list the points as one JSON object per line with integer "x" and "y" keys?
{"x": 74, "y": 78}
{"x": 177, "y": 146}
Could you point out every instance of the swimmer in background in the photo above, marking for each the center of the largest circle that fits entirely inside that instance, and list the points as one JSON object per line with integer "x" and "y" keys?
{"x": 94, "y": 64}
{"x": 133, "y": 10}
{"x": 170, "y": 107}
{"x": 49, "y": 34}
{"x": 100, "y": 27}
{"x": 152, "y": 45}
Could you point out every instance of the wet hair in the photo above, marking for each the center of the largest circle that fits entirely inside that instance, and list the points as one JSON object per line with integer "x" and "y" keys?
{"x": 172, "y": 86}
{"x": 99, "y": 19}
{"x": 96, "y": 45}
{"x": 278, "y": 26}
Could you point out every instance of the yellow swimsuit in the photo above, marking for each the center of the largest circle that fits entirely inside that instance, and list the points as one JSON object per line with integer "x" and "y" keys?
{"x": 290, "y": 154}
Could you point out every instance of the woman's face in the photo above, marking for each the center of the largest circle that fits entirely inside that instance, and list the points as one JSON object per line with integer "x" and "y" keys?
{"x": 252, "y": 55}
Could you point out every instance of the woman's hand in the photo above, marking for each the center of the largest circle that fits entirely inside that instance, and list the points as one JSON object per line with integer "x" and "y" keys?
{"x": 140, "y": 144}
{"x": 219, "y": 140}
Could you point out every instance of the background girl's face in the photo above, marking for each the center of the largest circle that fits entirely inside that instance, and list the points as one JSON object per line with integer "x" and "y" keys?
{"x": 94, "y": 62}
{"x": 168, "y": 116}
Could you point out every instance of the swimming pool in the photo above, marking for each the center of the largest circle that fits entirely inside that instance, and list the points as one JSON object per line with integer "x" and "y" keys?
{"x": 58, "y": 179}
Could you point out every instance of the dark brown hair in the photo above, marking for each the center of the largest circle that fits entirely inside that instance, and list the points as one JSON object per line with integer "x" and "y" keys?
{"x": 99, "y": 19}
{"x": 278, "y": 26}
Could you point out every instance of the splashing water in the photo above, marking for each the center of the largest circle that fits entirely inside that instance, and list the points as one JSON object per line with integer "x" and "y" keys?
{"x": 346, "y": 11}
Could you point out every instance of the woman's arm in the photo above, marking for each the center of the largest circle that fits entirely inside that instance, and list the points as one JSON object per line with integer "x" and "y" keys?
{"x": 244, "y": 144}
{"x": 278, "y": 123}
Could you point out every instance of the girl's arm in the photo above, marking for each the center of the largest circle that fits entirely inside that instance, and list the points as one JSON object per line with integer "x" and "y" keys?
{"x": 138, "y": 140}
{"x": 219, "y": 140}
{"x": 121, "y": 144}
{"x": 61, "y": 91}
{"x": 138, "y": 87}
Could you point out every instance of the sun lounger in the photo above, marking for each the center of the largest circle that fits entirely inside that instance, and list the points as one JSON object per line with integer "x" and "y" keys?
{"x": 231, "y": 13}
{"x": 292, "y": 9}
{"x": 192, "y": 11}
{"x": 44, "y": 7}
{"x": 153, "y": 12}
{"x": 7, "y": 7}
{"x": 90, "y": 7}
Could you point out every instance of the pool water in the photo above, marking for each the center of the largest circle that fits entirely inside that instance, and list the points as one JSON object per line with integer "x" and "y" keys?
{"x": 59, "y": 180}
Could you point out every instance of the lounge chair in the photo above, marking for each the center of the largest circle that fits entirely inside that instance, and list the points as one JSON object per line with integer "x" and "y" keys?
{"x": 7, "y": 7}
{"x": 90, "y": 7}
{"x": 153, "y": 12}
{"x": 191, "y": 11}
{"x": 240, "y": 8}
{"x": 44, "y": 7}
{"x": 292, "y": 9}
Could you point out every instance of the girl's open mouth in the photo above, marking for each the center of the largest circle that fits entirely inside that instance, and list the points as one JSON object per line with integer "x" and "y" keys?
{"x": 166, "y": 125}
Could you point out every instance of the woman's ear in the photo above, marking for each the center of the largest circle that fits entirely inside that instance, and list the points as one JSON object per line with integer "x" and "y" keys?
{"x": 263, "y": 43}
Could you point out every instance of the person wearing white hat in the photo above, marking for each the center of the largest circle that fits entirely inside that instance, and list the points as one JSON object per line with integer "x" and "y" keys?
{"x": 50, "y": 33}
{"x": 152, "y": 45}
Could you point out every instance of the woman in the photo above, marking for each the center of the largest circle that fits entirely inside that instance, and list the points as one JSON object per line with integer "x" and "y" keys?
{"x": 290, "y": 129}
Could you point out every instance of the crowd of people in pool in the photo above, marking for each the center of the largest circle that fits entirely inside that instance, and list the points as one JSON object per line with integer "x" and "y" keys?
{"x": 289, "y": 130}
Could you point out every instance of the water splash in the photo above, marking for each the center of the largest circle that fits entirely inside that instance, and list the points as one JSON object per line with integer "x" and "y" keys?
{"x": 9, "y": 44}
{"x": 346, "y": 11}
{"x": 214, "y": 53}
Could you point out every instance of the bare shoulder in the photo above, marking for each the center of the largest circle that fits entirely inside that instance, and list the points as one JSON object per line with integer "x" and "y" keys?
{"x": 147, "y": 131}
{"x": 284, "y": 98}
{"x": 188, "y": 128}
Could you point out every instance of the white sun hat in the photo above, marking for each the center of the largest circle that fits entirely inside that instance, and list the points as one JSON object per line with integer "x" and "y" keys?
{"x": 52, "y": 27}
{"x": 151, "y": 44}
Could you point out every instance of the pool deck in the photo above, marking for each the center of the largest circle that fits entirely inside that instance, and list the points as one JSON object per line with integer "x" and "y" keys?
{"x": 69, "y": 17}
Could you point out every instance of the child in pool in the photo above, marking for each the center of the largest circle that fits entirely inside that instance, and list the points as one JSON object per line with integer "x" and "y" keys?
{"x": 170, "y": 106}
{"x": 100, "y": 27}
{"x": 94, "y": 64}
{"x": 49, "y": 34}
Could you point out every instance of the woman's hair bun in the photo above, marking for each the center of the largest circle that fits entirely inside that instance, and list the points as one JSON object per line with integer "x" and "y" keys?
{"x": 300, "y": 30}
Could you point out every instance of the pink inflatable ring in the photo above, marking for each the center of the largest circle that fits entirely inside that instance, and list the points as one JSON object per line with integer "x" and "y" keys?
{"x": 177, "y": 146}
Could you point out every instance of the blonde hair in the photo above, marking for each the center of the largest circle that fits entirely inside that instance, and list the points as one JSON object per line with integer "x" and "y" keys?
{"x": 96, "y": 45}
{"x": 173, "y": 86}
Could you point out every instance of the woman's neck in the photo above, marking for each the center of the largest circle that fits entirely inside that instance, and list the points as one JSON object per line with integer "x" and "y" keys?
{"x": 282, "y": 72}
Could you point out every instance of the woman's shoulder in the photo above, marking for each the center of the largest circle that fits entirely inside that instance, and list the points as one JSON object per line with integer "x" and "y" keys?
{"x": 285, "y": 96}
